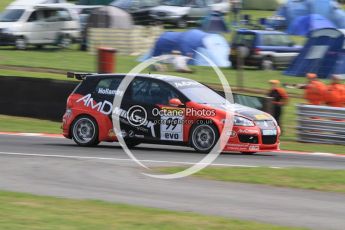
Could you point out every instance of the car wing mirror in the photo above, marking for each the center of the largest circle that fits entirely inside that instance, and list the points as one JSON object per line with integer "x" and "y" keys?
{"x": 175, "y": 102}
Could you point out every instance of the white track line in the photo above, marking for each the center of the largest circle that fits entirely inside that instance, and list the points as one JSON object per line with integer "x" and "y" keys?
{"x": 58, "y": 136}
{"x": 123, "y": 159}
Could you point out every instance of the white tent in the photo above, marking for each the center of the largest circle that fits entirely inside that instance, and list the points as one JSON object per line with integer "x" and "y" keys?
{"x": 110, "y": 17}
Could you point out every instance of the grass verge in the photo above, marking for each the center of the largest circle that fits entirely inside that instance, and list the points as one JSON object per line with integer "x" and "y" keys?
{"x": 22, "y": 211}
{"x": 302, "y": 178}
{"x": 74, "y": 60}
{"x": 22, "y": 124}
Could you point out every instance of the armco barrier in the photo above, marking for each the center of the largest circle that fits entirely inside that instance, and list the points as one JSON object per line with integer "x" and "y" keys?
{"x": 46, "y": 99}
{"x": 321, "y": 124}
{"x": 36, "y": 98}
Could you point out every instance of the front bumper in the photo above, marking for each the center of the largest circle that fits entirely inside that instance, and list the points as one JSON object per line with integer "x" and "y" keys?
{"x": 7, "y": 39}
{"x": 253, "y": 139}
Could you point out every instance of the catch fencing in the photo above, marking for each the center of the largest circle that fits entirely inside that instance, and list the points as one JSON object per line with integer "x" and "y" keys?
{"x": 321, "y": 124}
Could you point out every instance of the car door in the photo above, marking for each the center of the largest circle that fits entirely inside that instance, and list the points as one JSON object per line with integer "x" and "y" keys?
{"x": 199, "y": 9}
{"x": 52, "y": 24}
{"x": 35, "y": 28}
{"x": 144, "y": 102}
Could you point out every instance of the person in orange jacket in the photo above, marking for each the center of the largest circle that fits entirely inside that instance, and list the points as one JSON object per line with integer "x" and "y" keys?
{"x": 280, "y": 98}
{"x": 335, "y": 94}
{"x": 314, "y": 91}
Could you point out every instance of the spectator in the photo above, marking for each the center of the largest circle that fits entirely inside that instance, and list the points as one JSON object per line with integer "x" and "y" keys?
{"x": 280, "y": 98}
{"x": 180, "y": 62}
{"x": 335, "y": 94}
{"x": 314, "y": 91}
{"x": 236, "y": 6}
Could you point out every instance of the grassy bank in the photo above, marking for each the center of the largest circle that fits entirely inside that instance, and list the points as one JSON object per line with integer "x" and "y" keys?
{"x": 302, "y": 178}
{"x": 22, "y": 124}
{"x": 21, "y": 211}
{"x": 74, "y": 60}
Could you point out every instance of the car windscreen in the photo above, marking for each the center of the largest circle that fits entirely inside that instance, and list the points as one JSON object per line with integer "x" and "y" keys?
{"x": 174, "y": 2}
{"x": 275, "y": 40}
{"x": 199, "y": 93}
{"x": 123, "y": 4}
{"x": 11, "y": 15}
{"x": 245, "y": 39}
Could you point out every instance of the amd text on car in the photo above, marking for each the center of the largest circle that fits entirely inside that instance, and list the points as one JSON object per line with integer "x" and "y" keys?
{"x": 161, "y": 109}
{"x": 264, "y": 48}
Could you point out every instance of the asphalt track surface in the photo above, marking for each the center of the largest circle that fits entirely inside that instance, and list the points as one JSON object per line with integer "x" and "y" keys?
{"x": 57, "y": 167}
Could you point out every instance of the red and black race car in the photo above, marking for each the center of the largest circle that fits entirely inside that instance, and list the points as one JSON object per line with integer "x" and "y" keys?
{"x": 161, "y": 109}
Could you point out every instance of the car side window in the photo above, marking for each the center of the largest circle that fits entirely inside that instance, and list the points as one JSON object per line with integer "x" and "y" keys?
{"x": 34, "y": 17}
{"x": 64, "y": 15}
{"x": 161, "y": 93}
{"x": 151, "y": 92}
{"x": 245, "y": 39}
{"x": 200, "y": 3}
{"x": 50, "y": 15}
{"x": 56, "y": 15}
{"x": 147, "y": 3}
{"x": 139, "y": 90}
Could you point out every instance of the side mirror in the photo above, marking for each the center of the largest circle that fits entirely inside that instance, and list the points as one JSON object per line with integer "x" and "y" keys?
{"x": 175, "y": 102}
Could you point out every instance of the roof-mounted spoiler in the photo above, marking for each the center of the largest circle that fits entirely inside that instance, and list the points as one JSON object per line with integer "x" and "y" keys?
{"x": 78, "y": 75}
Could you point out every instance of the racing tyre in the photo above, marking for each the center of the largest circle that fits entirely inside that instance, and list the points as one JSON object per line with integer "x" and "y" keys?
{"x": 39, "y": 47}
{"x": 85, "y": 131}
{"x": 267, "y": 63}
{"x": 132, "y": 143}
{"x": 204, "y": 137}
{"x": 182, "y": 23}
{"x": 65, "y": 41}
{"x": 21, "y": 43}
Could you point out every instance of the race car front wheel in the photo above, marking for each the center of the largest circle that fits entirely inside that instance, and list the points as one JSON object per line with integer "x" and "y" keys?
{"x": 85, "y": 131}
{"x": 21, "y": 43}
{"x": 204, "y": 138}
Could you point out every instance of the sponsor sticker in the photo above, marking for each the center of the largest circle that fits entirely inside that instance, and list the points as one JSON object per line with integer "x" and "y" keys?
{"x": 172, "y": 124}
{"x": 254, "y": 148}
{"x": 261, "y": 117}
{"x": 248, "y": 131}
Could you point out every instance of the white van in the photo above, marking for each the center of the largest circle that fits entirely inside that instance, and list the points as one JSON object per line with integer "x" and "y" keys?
{"x": 48, "y": 24}
{"x": 34, "y": 2}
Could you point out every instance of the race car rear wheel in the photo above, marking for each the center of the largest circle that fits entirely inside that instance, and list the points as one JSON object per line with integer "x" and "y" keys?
{"x": 85, "y": 131}
{"x": 21, "y": 43}
{"x": 65, "y": 41}
{"x": 204, "y": 137}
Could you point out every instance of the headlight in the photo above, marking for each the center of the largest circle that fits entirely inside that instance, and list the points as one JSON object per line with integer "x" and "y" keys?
{"x": 241, "y": 121}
